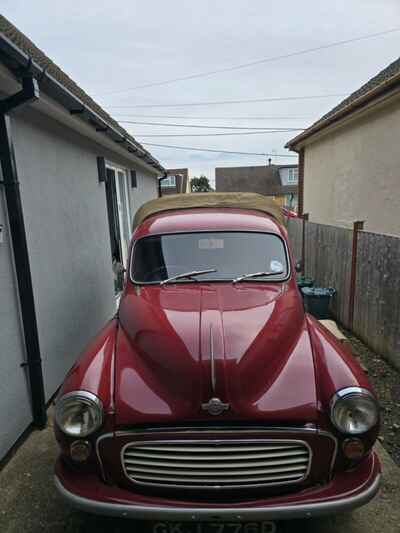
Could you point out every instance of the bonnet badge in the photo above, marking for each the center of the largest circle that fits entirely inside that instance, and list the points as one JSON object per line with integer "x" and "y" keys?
{"x": 215, "y": 406}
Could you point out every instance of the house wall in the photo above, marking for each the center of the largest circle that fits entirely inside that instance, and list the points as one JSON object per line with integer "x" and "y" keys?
{"x": 353, "y": 173}
{"x": 181, "y": 181}
{"x": 68, "y": 236}
{"x": 147, "y": 189}
{"x": 259, "y": 179}
{"x": 180, "y": 184}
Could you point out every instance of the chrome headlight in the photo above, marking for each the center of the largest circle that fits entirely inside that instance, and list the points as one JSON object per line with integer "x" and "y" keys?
{"x": 354, "y": 410}
{"x": 79, "y": 413}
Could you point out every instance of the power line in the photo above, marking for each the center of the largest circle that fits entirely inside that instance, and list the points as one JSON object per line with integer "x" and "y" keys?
{"x": 256, "y": 62}
{"x": 264, "y": 154}
{"x": 213, "y": 134}
{"x": 185, "y": 117}
{"x": 224, "y": 102}
{"x": 207, "y": 127}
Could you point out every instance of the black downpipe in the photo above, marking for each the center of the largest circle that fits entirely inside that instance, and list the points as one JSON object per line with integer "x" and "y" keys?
{"x": 29, "y": 93}
{"x": 159, "y": 184}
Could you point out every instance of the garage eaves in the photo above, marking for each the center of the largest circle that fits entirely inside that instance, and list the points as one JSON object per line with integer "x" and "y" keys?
{"x": 22, "y": 57}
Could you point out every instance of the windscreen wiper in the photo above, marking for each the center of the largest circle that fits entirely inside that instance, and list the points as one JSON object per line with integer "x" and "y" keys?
{"x": 256, "y": 275}
{"x": 188, "y": 275}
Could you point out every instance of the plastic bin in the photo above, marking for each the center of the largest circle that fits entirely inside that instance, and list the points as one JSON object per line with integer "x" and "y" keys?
{"x": 303, "y": 281}
{"x": 317, "y": 300}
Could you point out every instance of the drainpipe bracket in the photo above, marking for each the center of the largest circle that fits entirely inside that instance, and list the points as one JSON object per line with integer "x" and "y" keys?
{"x": 37, "y": 362}
{"x": 24, "y": 70}
{"x": 29, "y": 93}
{"x": 9, "y": 184}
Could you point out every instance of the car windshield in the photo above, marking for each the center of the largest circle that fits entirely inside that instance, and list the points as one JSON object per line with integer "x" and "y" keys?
{"x": 230, "y": 254}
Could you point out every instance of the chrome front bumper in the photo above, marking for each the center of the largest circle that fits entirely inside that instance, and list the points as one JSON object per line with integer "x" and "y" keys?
{"x": 187, "y": 514}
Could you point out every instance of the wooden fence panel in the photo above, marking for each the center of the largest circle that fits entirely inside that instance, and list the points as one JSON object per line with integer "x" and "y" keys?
{"x": 295, "y": 231}
{"x": 377, "y": 296}
{"x": 328, "y": 251}
{"x": 328, "y": 254}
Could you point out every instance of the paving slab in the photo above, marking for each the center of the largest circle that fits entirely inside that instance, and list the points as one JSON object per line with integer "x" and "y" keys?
{"x": 30, "y": 504}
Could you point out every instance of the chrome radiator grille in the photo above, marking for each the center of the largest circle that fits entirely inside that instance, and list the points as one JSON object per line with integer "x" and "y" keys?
{"x": 211, "y": 464}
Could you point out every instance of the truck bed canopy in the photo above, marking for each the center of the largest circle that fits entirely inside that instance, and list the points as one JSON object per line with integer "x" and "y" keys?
{"x": 234, "y": 200}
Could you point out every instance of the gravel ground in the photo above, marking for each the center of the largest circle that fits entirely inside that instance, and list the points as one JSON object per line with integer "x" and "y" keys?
{"x": 386, "y": 381}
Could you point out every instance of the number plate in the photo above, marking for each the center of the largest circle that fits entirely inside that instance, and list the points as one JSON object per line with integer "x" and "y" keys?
{"x": 213, "y": 527}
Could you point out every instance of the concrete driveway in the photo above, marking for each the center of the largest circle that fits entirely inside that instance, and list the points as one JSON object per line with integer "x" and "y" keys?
{"x": 29, "y": 502}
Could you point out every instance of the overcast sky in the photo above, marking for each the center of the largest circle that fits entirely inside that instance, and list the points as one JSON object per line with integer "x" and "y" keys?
{"x": 113, "y": 46}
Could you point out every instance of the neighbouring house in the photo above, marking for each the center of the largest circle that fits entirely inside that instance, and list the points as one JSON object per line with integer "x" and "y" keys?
{"x": 289, "y": 176}
{"x": 176, "y": 181}
{"x": 349, "y": 160}
{"x": 278, "y": 181}
{"x": 71, "y": 180}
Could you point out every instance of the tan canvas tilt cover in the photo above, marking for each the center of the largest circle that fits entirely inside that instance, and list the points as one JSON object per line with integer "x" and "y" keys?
{"x": 238, "y": 200}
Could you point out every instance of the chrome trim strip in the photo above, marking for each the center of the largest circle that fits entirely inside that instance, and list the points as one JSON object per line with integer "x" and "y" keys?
{"x": 80, "y": 394}
{"x": 104, "y": 436}
{"x": 215, "y": 429}
{"x": 276, "y": 452}
{"x": 279, "y": 512}
{"x": 335, "y": 449}
{"x": 350, "y": 391}
{"x": 154, "y": 480}
{"x": 217, "y": 462}
{"x": 212, "y": 363}
{"x": 216, "y": 442}
{"x": 353, "y": 390}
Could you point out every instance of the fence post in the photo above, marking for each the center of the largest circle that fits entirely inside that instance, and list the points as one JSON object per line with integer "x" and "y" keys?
{"x": 303, "y": 244}
{"x": 358, "y": 226}
{"x": 300, "y": 206}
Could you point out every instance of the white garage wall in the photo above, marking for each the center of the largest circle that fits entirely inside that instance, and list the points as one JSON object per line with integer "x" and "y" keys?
{"x": 147, "y": 189}
{"x": 68, "y": 236}
{"x": 15, "y": 411}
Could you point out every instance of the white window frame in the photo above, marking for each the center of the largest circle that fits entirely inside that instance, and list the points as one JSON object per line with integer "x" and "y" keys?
{"x": 127, "y": 208}
{"x": 169, "y": 181}
{"x": 293, "y": 175}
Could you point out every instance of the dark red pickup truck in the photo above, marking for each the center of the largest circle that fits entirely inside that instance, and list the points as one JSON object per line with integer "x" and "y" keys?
{"x": 212, "y": 395}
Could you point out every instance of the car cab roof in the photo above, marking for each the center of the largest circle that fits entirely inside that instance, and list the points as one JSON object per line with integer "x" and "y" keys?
{"x": 208, "y": 219}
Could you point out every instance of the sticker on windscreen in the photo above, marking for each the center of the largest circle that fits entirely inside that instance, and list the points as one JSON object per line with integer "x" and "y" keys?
{"x": 211, "y": 244}
{"x": 276, "y": 266}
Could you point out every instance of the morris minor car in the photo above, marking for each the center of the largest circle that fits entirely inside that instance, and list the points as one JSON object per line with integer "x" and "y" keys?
{"x": 212, "y": 396}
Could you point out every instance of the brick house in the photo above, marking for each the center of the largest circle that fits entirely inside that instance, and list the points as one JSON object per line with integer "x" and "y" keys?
{"x": 278, "y": 181}
{"x": 175, "y": 182}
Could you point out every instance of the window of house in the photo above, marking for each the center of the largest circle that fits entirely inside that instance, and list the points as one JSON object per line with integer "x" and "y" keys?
{"x": 293, "y": 175}
{"x": 170, "y": 181}
{"x": 119, "y": 215}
